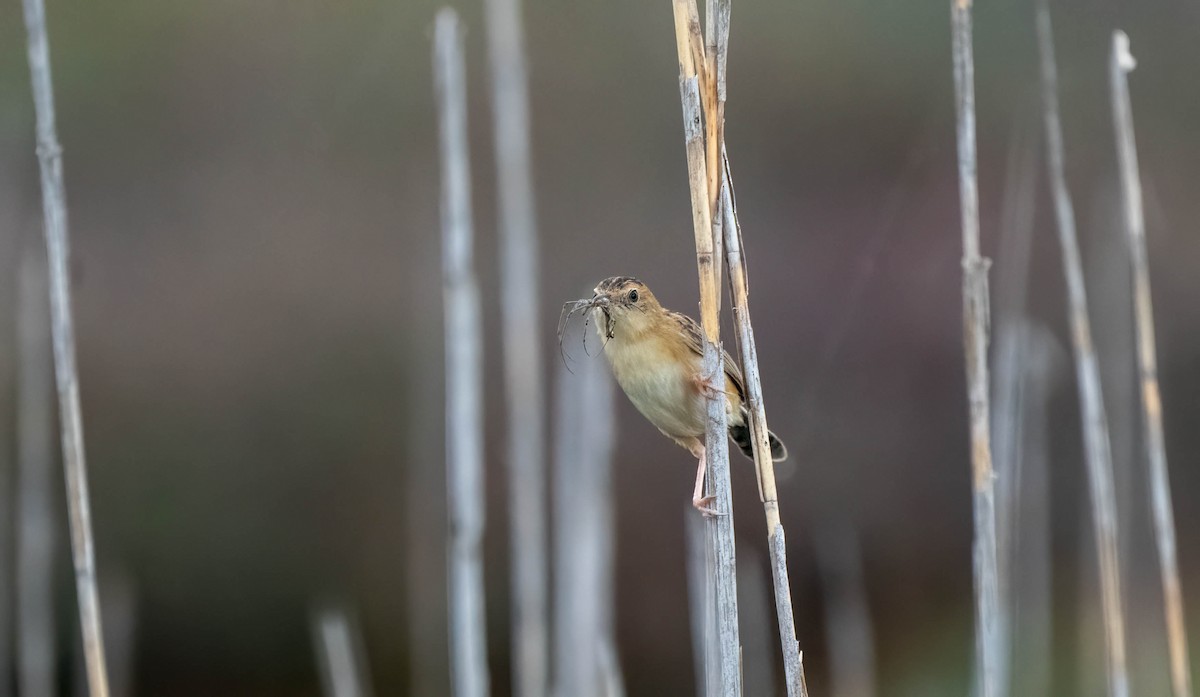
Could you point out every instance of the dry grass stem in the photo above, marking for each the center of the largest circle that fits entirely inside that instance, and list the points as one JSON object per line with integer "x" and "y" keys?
{"x": 464, "y": 371}
{"x": 690, "y": 49}
{"x": 1121, "y": 64}
{"x": 713, "y": 92}
{"x": 727, "y": 233}
{"x": 1095, "y": 422}
{"x": 337, "y": 641}
{"x": 702, "y": 605}
{"x": 584, "y": 591}
{"x": 520, "y": 321}
{"x": 54, "y": 209}
{"x": 989, "y": 652}
{"x": 764, "y": 466}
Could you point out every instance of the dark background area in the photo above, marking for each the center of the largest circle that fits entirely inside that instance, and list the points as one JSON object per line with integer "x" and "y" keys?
{"x": 254, "y": 216}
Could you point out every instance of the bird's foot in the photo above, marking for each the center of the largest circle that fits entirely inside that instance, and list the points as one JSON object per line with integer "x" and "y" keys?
{"x": 704, "y": 504}
{"x": 706, "y": 385}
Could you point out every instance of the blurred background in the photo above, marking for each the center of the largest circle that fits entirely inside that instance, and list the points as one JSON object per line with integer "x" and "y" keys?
{"x": 253, "y": 193}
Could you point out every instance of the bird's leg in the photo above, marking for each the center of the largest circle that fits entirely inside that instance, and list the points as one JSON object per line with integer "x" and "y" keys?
{"x": 701, "y": 502}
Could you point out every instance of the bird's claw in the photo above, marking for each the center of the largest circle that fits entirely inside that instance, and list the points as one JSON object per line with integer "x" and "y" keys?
{"x": 704, "y": 504}
{"x": 705, "y": 385}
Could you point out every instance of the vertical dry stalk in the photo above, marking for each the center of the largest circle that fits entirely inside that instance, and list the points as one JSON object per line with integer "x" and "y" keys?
{"x": 464, "y": 371}
{"x": 989, "y": 653}
{"x": 583, "y": 554}
{"x": 36, "y": 530}
{"x": 702, "y": 605}
{"x": 1121, "y": 64}
{"x": 522, "y": 349}
{"x": 726, "y": 230}
{"x": 690, "y": 50}
{"x": 764, "y": 466}
{"x": 339, "y": 650}
{"x": 54, "y": 210}
{"x": 1095, "y": 422}
{"x": 689, "y": 45}
{"x": 713, "y": 93}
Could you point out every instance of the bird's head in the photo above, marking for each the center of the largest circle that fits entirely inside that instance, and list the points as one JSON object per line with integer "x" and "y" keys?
{"x": 623, "y": 305}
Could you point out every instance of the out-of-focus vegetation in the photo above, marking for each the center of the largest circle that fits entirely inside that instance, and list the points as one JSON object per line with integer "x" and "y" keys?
{"x": 253, "y": 202}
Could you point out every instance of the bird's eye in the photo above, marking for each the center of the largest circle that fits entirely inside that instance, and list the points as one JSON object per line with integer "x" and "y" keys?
{"x": 633, "y": 295}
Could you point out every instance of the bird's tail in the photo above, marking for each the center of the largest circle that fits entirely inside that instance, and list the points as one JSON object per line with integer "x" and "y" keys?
{"x": 740, "y": 434}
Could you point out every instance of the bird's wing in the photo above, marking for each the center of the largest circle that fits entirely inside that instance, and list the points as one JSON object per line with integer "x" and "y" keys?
{"x": 694, "y": 338}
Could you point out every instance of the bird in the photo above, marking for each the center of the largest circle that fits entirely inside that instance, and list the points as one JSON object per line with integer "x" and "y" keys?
{"x": 655, "y": 355}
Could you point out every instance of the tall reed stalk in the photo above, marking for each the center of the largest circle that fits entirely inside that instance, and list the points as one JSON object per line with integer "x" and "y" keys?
{"x": 702, "y": 606}
{"x": 584, "y": 588}
{"x": 764, "y": 466}
{"x": 464, "y": 371}
{"x": 1120, "y": 64}
{"x": 521, "y": 331}
{"x": 1097, "y": 447}
{"x": 989, "y": 652}
{"x": 54, "y": 210}
{"x": 705, "y": 59}
{"x": 690, "y": 50}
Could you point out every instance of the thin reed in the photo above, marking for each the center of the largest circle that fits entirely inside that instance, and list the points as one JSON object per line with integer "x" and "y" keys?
{"x": 1097, "y": 447}
{"x": 989, "y": 651}
{"x": 690, "y": 50}
{"x": 1120, "y": 64}
{"x": 584, "y": 584}
{"x": 521, "y": 327}
{"x": 464, "y": 371}
{"x": 54, "y": 211}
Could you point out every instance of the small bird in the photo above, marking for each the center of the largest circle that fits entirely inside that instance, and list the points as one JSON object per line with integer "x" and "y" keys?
{"x": 656, "y": 357}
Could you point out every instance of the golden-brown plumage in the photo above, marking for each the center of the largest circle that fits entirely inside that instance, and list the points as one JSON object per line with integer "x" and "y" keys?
{"x": 656, "y": 356}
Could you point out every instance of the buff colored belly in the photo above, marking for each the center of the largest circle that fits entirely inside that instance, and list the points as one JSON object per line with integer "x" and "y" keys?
{"x": 666, "y": 396}
{"x": 659, "y": 384}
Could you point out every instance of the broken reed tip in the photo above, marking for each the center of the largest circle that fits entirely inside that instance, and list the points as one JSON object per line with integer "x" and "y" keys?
{"x": 1125, "y": 59}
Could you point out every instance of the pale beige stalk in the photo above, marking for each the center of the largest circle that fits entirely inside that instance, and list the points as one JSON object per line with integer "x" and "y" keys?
{"x": 690, "y": 49}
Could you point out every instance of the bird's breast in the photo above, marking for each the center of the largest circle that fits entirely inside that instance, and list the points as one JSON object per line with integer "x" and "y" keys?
{"x": 658, "y": 377}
